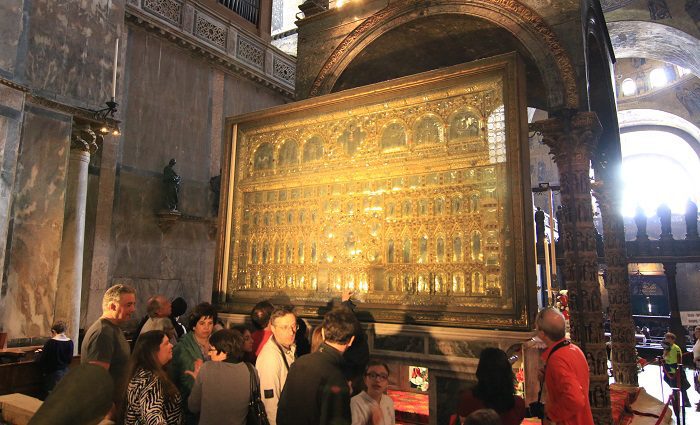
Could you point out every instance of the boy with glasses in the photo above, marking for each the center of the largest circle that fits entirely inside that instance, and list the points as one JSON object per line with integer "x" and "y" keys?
{"x": 373, "y": 406}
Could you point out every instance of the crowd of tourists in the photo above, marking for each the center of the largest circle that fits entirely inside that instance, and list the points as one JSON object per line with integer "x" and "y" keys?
{"x": 204, "y": 373}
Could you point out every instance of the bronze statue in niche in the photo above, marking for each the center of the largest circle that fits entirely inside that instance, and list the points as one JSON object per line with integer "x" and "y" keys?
{"x": 171, "y": 181}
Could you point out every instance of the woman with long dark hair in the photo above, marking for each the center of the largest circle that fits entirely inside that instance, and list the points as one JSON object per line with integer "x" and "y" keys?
{"x": 495, "y": 389}
{"x": 151, "y": 397}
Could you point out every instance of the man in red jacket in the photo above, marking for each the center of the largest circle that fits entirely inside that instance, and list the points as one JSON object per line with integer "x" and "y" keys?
{"x": 566, "y": 376}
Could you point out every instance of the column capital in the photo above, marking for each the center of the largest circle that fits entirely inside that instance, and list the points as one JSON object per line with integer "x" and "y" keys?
{"x": 570, "y": 135}
{"x": 84, "y": 139}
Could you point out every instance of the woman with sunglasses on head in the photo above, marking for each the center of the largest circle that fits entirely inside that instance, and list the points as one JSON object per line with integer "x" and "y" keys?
{"x": 372, "y": 406}
{"x": 151, "y": 397}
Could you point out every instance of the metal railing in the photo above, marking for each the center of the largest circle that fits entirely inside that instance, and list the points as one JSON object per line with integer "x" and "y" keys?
{"x": 247, "y": 9}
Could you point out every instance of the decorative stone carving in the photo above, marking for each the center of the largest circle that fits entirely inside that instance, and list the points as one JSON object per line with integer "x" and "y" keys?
{"x": 664, "y": 213}
{"x": 640, "y": 219}
{"x": 84, "y": 139}
{"x": 170, "y": 10}
{"x": 622, "y": 330}
{"x": 572, "y": 138}
{"x": 283, "y": 70}
{"x": 210, "y": 31}
{"x": 249, "y": 52}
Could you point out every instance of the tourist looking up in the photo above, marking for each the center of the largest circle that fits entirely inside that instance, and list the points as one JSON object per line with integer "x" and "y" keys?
{"x": 317, "y": 392}
{"x": 566, "y": 375}
{"x": 372, "y": 406}
{"x": 151, "y": 397}
{"x": 55, "y": 357}
{"x": 276, "y": 358}
{"x": 192, "y": 350}
{"x": 104, "y": 343}
{"x": 221, "y": 390}
{"x": 158, "y": 310}
{"x": 495, "y": 389}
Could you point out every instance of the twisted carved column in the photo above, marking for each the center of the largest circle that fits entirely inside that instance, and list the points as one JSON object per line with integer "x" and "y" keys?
{"x": 70, "y": 272}
{"x": 572, "y": 139}
{"x": 623, "y": 354}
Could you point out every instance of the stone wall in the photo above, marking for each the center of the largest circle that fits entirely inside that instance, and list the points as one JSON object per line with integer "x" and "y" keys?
{"x": 34, "y": 245}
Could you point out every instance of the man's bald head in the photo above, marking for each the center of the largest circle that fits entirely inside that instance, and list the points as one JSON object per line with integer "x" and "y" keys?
{"x": 552, "y": 323}
{"x": 158, "y": 306}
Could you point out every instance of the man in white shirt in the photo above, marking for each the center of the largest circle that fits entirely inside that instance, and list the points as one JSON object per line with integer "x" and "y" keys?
{"x": 275, "y": 358}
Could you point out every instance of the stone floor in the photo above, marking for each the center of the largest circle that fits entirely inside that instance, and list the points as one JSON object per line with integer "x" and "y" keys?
{"x": 650, "y": 380}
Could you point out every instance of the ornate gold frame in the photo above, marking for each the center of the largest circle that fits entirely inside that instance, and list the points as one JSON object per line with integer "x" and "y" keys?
{"x": 413, "y": 192}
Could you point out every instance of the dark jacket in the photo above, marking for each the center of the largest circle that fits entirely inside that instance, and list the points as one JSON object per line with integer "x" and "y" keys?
{"x": 316, "y": 392}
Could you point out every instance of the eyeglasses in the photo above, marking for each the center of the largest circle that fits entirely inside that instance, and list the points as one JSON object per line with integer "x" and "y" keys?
{"x": 380, "y": 376}
{"x": 286, "y": 328}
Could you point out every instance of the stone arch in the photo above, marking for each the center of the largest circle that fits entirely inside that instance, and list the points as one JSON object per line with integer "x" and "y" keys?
{"x": 522, "y": 22}
{"x": 654, "y": 119}
{"x": 651, "y": 40}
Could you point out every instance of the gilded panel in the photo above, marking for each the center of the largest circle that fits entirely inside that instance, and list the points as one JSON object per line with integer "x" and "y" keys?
{"x": 405, "y": 192}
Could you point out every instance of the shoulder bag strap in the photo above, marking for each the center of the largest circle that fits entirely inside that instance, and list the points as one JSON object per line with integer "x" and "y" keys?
{"x": 254, "y": 386}
{"x": 284, "y": 358}
{"x": 555, "y": 348}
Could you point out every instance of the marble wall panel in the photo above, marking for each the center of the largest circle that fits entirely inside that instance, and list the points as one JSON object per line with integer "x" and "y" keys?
{"x": 10, "y": 124}
{"x": 11, "y": 25}
{"x": 168, "y": 108}
{"x": 147, "y": 287}
{"x": 401, "y": 343}
{"x": 34, "y": 248}
{"x": 142, "y": 250}
{"x": 70, "y": 48}
{"x": 243, "y": 96}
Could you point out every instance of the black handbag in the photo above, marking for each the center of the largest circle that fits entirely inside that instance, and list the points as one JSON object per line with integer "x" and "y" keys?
{"x": 256, "y": 408}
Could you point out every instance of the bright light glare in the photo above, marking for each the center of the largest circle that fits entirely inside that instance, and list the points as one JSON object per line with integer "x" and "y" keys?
{"x": 629, "y": 87}
{"x": 658, "y": 78}
{"x": 658, "y": 167}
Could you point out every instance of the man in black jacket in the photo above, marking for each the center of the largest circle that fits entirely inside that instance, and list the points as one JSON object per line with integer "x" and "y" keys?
{"x": 316, "y": 391}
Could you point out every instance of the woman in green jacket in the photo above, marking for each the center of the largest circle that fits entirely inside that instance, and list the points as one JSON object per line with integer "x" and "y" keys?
{"x": 191, "y": 351}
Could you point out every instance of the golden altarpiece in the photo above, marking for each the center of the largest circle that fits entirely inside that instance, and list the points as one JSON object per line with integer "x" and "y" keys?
{"x": 414, "y": 193}
{"x": 410, "y": 192}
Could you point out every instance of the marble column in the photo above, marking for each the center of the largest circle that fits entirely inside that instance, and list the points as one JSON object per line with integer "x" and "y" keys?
{"x": 572, "y": 138}
{"x": 676, "y": 325}
{"x": 622, "y": 330}
{"x": 70, "y": 272}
